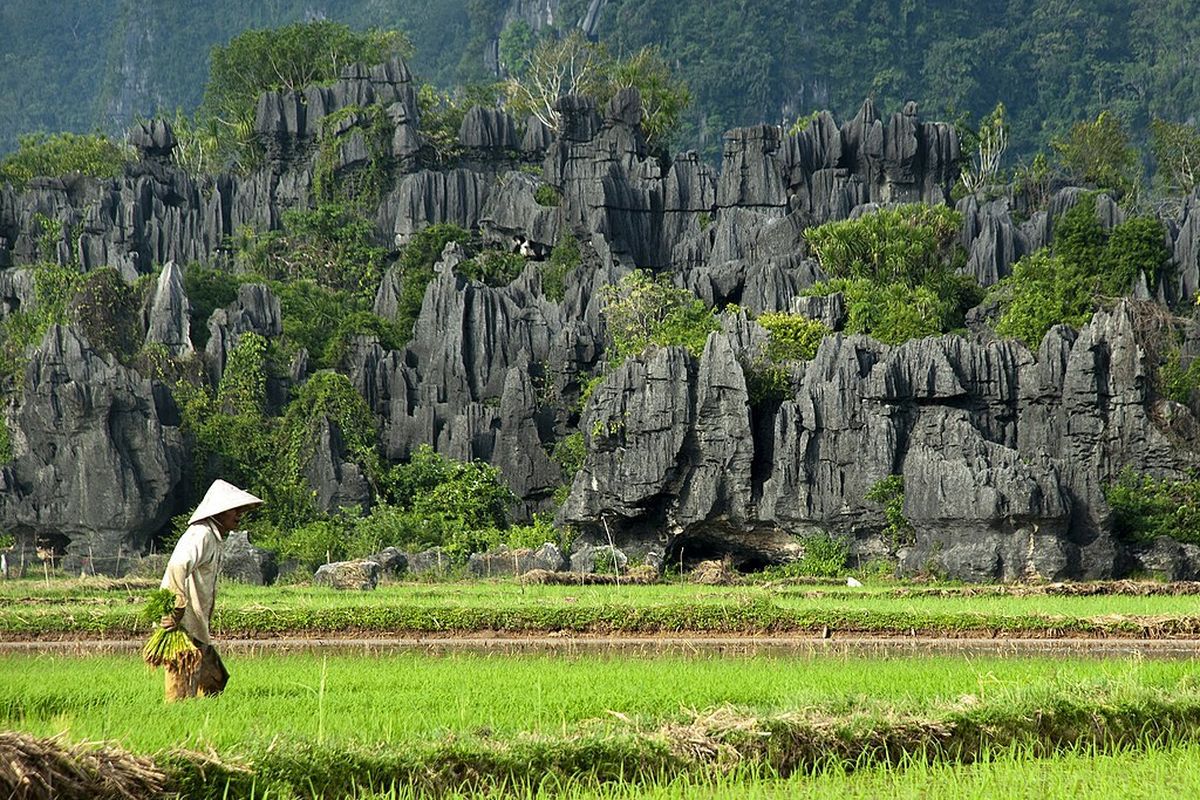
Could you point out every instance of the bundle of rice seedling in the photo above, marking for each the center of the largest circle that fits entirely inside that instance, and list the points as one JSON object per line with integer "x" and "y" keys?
{"x": 172, "y": 648}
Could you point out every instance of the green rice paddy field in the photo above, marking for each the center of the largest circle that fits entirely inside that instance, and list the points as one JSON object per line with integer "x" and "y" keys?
{"x": 95, "y": 609}
{"x": 385, "y": 723}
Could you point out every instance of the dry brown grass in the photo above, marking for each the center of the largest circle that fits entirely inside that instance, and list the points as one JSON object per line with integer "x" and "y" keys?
{"x": 33, "y": 769}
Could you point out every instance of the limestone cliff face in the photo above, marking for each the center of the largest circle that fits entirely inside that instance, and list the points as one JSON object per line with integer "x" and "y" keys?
{"x": 1004, "y": 451}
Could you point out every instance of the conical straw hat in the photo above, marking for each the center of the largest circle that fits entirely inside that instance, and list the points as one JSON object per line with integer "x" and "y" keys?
{"x": 222, "y": 496}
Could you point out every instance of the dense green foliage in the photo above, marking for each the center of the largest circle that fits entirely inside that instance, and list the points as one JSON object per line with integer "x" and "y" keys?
{"x": 1175, "y": 382}
{"x": 889, "y": 493}
{"x": 94, "y": 155}
{"x": 493, "y": 267}
{"x": 207, "y": 290}
{"x": 6, "y": 447}
{"x": 897, "y": 268}
{"x": 416, "y": 269}
{"x": 793, "y": 336}
{"x": 910, "y": 244}
{"x": 564, "y": 258}
{"x": 1085, "y": 263}
{"x": 287, "y": 58}
{"x": 1042, "y": 58}
{"x": 1099, "y": 155}
{"x": 329, "y": 244}
{"x": 642, "y": 310}
{"x": 1176, "y": 150}
{"x": 363, "y": 188}
{"x": 1145, "y": 508}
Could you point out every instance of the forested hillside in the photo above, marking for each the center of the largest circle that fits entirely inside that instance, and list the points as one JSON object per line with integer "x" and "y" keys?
{"x": 1051, "y": 62}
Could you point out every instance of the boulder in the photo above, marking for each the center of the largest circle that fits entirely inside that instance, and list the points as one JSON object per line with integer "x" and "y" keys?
{"x": 245, "y": 563}
{"x": 391, "y": 561}
{"x": 362, "y": 575}
{"x": 603, "y": 558}
{"x": 503, "y": 562}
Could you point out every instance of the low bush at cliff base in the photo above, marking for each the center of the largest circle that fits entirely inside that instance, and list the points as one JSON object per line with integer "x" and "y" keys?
{"x": 1145, "y": 508}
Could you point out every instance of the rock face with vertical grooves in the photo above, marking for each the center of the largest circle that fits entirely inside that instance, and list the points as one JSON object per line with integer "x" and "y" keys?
{"x": 1005, "y": 456}
{"x": 1005, "y": 452}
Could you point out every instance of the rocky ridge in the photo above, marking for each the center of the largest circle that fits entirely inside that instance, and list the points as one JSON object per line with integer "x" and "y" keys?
{"x": 677, "y": 459}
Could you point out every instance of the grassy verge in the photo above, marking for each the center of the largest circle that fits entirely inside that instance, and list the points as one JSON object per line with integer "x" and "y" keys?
{"x": 70, "y": 609}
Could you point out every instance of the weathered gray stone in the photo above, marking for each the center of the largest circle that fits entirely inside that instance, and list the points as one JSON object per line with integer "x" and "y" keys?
{"x": 168, "y": 322}
{"x": 390, "y": 560}
{"x": 503, "y": 562}
{"x": 434, "y": 561}
{"x": 337, "y": 483}
{"x": 361, "y": 575}
{"x": 591, "y": 559}
{"x": 98, "y": 455}
{"x": 243, "y": 562}
{"x": 1168, "y": 559}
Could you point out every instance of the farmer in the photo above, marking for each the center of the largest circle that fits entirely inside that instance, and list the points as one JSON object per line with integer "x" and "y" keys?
{"x": 192, "y": 575}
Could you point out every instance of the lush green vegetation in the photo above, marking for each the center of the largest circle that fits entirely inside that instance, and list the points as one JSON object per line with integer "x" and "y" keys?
{"x": 1145, "y": 508}
{"x": 416, "y": 269}
{"x": 30, "y": 607}
{"x": 328, "y": 244}
{"x": 564, "y": 258}
{"x": 897, "y": 269}
{"x": 643, "y": 309}
{"x": 1084, "y": 265}
{"x": 889, "y": 493}
{"x": 287, "y": 58}
{"x": 743, "y": 66}
{"x": 793, "y": 338}
{"x": 60, "y": 154}
{"x": 324, "y": 725}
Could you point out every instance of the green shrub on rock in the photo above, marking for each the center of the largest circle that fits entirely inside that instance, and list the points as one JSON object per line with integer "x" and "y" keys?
{"x": 898, "y": 271}
{"x": 1145, "y": 508}
{"x": 889, "y": 493}
{"x": 493, "y": 267}
{"x": 643, "y": 310}
{"x": 57, "y": 154}
{"x": 1062, "y": 284}
{"x": 564, "y": 258}
{"x": 793, "y": 336}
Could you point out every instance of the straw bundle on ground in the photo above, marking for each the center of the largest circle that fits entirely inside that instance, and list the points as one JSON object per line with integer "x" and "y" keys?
{"x": 33, "y": 769}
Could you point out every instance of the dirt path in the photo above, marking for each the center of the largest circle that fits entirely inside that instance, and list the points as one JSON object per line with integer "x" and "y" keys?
{"x": 659, "y": 645}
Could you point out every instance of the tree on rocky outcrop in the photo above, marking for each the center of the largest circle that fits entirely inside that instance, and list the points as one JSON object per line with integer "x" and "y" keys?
{"x": 642, "y": 310}
{"x": 1099, "y": 154}
{"x": 573, "y": 65}
{"x": 91, "y": 154}
{"x": 898, "y": 270}
{"x": 1085, "y": 264}
{"x": 990, "y": 142}
{"x": 282, "y": 59}
{"x": 328, "y": 244}
{"x": 555, "y": 68}
{"x": 1176, "y": 148}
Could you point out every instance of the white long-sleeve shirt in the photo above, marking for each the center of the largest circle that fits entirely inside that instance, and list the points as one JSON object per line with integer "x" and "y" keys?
{"x": 192, "y": 575}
